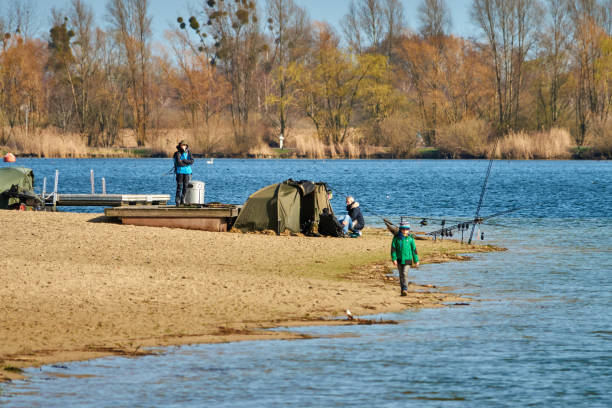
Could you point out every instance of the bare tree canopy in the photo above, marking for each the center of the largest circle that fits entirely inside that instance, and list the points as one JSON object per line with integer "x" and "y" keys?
{"x": 509, "y": 28}
{"x": 434, "y": 18}
{"x": 373, "y": 24}
{"x": 235, "y": 76}
{"x": 131, "y": 24}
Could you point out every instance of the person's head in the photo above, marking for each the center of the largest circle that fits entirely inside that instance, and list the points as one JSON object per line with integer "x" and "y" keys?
{"x": 350, "y": 200}
{"x": 404, "y": 228}
{"x": 182, "y": 145}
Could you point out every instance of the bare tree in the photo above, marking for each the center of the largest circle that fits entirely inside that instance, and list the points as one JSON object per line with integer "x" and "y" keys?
{"x": 373, "y": 25}
{"x": 509, "y": 28}
{"x": 434, "y": 18}
{"x": 4, "y": 29}
{"x": 74, "y": 63}
{"x": 593, "y": 96}
{"x": 202, "y": 91}
{"x": 351, "y": 28}
{"x": 290, "y": 29}
{"x": 23, "y": 18}
{"x": 131, "y": 26}
{"x": 230, "y": 30}
{"x": 553, "y": 52}
{"x": 363, "y": 25}
{"x": 395, "y": 24}
{"x": 87, "y": 63}
{"x": 371, "y": 18}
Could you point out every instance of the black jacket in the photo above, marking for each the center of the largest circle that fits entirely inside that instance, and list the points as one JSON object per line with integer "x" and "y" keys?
{"x": 355, "y": 213}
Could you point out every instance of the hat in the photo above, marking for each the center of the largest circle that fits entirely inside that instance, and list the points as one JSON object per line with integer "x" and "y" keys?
{"x": 404, "y": 225}
{"x": 182, "y": 142}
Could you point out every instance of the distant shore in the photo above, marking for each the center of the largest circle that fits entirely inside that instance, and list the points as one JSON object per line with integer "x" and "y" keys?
{"x": 75, "y": 288}
{"x": 274, "y": 153}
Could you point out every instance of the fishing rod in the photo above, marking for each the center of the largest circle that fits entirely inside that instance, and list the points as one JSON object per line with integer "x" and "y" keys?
{"x": 389, "y": 224}
{"x": 464, "y": 226}
{"x": 484, "y": 187}
{"x": 350, "y": 195}
{"x": 425, "y": 220}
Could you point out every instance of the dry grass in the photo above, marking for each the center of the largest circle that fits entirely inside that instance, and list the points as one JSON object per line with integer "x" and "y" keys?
{"x": 262, "y": 150}
{"x": 467, "y": 138}
{"x": 552, "y": 144}
{"x": 307, "y": 144}
{"x": 46, "y": 143}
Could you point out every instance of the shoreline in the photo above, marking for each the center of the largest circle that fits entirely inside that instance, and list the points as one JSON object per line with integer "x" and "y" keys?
{"x": 78, "y": 289}
{"x": 248, "y": 156}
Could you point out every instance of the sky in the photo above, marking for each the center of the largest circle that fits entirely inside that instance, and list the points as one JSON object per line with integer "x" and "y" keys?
{"x": 165, "y": 12}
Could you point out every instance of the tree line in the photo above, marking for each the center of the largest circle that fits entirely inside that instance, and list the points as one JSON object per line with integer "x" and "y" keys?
{"x": 260, "y": 70}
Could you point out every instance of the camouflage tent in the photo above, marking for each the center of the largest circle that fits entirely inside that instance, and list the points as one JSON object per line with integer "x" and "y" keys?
{"x": 16, "y": 186}
{"x": 294, "y": 206}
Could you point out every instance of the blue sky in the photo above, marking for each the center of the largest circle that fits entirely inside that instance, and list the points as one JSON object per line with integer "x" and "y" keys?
{"x": 165, "y": 12}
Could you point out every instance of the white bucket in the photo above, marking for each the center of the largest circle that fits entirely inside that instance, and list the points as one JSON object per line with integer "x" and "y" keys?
{"x": 195, "y": 193}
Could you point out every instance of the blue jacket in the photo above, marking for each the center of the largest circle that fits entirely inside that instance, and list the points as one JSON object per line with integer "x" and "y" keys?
{"x": 182, "y": 162}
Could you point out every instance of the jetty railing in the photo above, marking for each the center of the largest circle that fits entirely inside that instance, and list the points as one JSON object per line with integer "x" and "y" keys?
{"x": 56, "y": 199}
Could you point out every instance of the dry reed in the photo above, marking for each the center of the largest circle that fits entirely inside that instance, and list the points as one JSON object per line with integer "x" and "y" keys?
{"x": 307, "y": 144}
{"x": 551, "y": 144}
{"x": 46, "y": 143}
{"x": 262, "y": 150}
{"x": 461, "y": 140}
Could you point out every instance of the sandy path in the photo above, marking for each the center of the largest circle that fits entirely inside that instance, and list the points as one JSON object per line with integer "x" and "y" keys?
{"x": 75, "y": 289}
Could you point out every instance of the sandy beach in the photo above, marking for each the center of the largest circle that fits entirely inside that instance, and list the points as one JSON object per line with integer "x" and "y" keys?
{"x": 75, "y": 288}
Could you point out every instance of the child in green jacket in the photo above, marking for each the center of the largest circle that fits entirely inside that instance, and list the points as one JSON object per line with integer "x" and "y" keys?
{"x": 404, "y": 254}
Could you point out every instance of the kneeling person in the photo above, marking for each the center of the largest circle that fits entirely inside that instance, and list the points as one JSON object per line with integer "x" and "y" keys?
{"x": 355, "y": 217}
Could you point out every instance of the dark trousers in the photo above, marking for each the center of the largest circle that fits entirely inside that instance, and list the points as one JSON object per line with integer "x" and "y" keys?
{"x": 403, "y": 274}
{"x": 182, "y": 180}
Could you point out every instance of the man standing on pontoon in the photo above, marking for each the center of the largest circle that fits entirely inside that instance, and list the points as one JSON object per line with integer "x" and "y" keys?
{"x": 182, "y": 169}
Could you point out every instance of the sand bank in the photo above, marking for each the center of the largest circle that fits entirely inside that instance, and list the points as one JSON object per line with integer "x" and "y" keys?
{"x": 75, "y": 288}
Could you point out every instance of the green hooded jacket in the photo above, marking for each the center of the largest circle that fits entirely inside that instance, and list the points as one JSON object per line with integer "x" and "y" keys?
{"x": 403, "y": 250}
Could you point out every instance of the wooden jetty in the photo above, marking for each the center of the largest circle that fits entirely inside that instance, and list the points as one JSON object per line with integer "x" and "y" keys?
{"x": 109, "y": 200}
{"x": 212, "y": 217}
{"x": 56, "y": 199}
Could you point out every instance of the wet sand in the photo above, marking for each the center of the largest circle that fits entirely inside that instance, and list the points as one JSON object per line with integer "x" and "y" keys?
{"x": 75, "y": 288}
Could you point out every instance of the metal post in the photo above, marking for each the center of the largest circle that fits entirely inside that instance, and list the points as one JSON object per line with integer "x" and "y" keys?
{"x": 26, "y": 108}
{"x": 103, "y": 186}
{"x": 27, "y": 114}
{"x": 91, "y": 178}
{"x": 55, "y": 188}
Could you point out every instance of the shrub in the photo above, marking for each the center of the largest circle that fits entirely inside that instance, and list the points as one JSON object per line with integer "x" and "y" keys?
{"x": 552, "y": 144}
{"x": 600, "y": 138}
{"x": 400, "y": 134}
{"x": 467, "y": 138}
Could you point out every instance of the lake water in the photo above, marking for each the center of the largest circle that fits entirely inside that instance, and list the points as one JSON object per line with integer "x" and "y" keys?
{"x": 538, "y": 331}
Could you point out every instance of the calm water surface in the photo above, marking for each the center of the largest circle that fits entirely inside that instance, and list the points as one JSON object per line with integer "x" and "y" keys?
{"x": 538, "y": 331}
